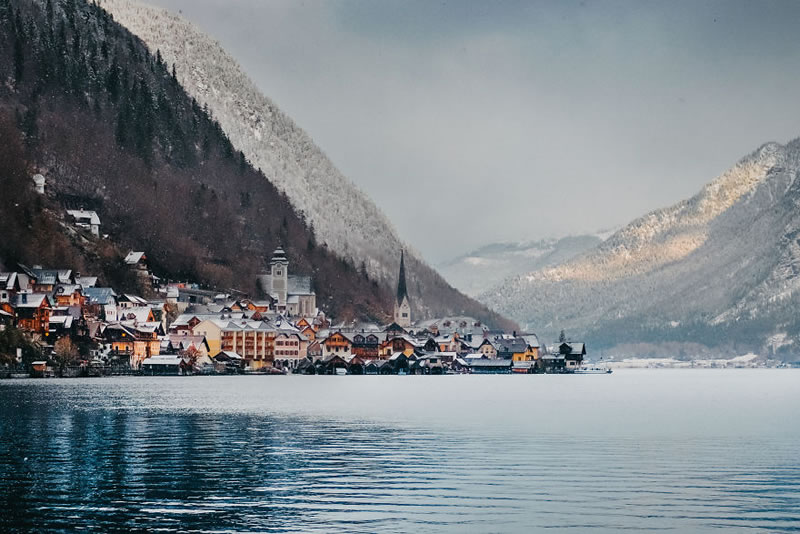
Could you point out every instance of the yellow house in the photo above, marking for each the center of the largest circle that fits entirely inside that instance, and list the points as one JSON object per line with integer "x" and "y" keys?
{"x": 212, "y": 330}
{"x": 519, "y": 349}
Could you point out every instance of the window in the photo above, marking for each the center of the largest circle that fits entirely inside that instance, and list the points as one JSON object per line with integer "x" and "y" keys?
{"x": 405, "y": 314}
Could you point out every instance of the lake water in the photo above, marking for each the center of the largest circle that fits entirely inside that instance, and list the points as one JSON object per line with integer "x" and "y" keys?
{"x": 661, "y": 450}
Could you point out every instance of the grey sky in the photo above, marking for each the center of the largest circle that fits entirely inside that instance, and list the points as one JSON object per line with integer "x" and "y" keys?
{"x": 472, "y": 122}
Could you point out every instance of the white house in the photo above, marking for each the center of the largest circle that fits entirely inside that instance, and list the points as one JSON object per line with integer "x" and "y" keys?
{"x": 38, "y": 183}
{"x": 86, "y": 219}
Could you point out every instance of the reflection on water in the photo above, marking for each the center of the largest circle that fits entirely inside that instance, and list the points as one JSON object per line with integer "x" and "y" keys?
{"x": 186, "y": 455}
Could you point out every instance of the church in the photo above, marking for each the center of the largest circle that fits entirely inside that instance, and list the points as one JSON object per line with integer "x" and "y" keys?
{"x": 402, "y": 305}
{"x": 293, "y": 294}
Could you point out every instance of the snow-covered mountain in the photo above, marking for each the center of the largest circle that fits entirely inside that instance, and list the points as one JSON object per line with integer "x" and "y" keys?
{"x": 483, "y": 268}
{"x": 344, "y": 219}
{"x": 721, "y": 269}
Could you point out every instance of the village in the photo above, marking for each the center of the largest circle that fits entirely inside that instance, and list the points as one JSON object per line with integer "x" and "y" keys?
{"x": 76, "y": 328}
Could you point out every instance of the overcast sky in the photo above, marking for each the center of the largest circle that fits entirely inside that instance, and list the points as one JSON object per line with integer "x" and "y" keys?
{"x": 474, "y": 122}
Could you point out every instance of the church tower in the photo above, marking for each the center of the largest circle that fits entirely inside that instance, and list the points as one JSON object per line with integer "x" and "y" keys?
{"x": 402, "y": 305}
{"x": 279, "y": 269}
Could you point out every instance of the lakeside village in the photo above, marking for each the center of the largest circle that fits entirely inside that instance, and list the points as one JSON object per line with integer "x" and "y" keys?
{"x": 71, "y": 327}
{"x": 281, "y": 333}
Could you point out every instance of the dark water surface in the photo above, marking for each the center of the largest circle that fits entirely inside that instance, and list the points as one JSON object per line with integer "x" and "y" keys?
{"x": 675, "y": 451}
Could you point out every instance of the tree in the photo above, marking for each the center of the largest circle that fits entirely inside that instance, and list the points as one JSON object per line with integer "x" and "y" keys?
{"x": 65, "y": 353}
{"x": 190, "y": 356}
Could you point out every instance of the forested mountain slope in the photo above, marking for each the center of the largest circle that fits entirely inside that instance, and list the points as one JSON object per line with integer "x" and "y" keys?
{"x": 84, "y": 102}
{"x": 342, "y": 216}
{"x": 719, "y": 270}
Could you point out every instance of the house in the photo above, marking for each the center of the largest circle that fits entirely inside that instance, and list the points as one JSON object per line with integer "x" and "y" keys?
{"x": 337, "y": 343}
{"x": 396, "y": 344}
{"x": 489, "y": 366}
{"x": 448, "y": 343}
{"x": 6, "y": 318}
{"x": 126, "y": 300}
{"x": 292, "y": 294}
{"x": 164, "y": 364}
{"x": 86, "y": 219}
{"x": 366, "y": 345}
{"x": 573, "y": 354}
{"x": 136, "y": 342}
{"x": 331, "y": 364}
{"x": 100, "y": 302}
{"x": 174, "y": 344}
{"x": 11, "y": 284}
{"x": 552, "y": 363}
{"x": 228, "y": 362}
{"x": 61, "y": 325}
{"x": 85, "y": 281}
{"x": 137, "y": 314}
{"x": 515, "y": 349}
{"x": 45, "y": 280}
{"x": 488, "y": 348}
{"x": 211, "y": 330}
{"x": 41, "y": 369}
{"x": 33, "y": 312}
{"x": 68, "y": 295}
{"x": 38, "y": 183}
{"x": 315, "y": 349}
{"x": 399, "y": 363}
{"x": 290, "y": 348}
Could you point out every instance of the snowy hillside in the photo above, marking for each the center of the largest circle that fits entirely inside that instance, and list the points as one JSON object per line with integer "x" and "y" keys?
{"x": 719, "y": 269}
{"x": 484, "y": 268}
{"x": 342, "y": 216}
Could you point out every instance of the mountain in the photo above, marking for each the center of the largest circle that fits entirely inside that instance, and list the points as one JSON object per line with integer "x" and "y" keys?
{"x": 487, "y": 266}
{"x": 343, "y": 218}
{"x": 717, "y": 272}
{"x": 84, "y": 102}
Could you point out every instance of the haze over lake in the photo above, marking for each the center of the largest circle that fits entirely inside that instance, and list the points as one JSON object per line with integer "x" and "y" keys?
{"x": 667, "y": 450}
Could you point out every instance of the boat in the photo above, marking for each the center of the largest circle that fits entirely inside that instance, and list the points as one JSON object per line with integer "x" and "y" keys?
{"x": 593, "y": 370}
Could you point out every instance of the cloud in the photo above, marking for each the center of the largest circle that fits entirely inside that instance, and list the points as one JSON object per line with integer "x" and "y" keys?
{"x": 469, "y": 122}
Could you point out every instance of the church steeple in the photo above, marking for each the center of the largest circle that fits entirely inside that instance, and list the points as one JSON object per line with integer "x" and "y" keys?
{"x": 402, "y": 306}
{"x": 402, "y": 292}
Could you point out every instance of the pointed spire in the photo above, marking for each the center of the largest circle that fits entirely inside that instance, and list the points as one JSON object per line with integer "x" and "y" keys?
{"x": 402, "y": 292}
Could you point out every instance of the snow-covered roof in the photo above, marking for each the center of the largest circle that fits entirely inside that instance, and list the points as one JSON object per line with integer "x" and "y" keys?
{"x": 163, "y": 359}
{"x": 85, "y": 216}
{"x": 140, "y": 314}
{"x": 64, "y": 320}
{"x": 133, "y": 257}
{"x": 30, "y": 300}
{"x": 100, "y": 295}
{"x": 86, "y": 281}
{"x": 8, "y": 280}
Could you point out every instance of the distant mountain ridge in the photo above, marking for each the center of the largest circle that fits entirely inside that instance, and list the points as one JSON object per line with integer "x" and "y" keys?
{"x": 485, "y": 267}
{"x": 719, "y": 269}
{"x": 342, "y": 216}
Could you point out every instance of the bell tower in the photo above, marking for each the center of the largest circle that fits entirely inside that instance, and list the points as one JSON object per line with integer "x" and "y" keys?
{"x": 279, "y": 269}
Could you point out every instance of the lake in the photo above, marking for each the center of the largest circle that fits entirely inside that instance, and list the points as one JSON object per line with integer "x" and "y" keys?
{"x": 660, "y": 450}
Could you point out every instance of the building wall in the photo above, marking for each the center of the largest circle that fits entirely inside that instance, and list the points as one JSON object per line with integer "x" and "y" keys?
{"x": 213, "y": 335}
